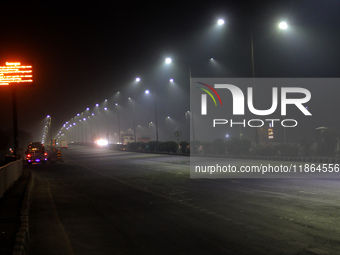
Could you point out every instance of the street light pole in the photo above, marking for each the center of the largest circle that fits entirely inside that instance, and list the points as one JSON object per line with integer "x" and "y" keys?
{"x": 134, "y": 120}
{"x": 156, "y": 121}
{"x": 119, "y": 139}
{"x": 168, "y": 61}
{"x": 15, "y": 123}
{"x": 50, "y": 128}
{"x": 253, "y": 74}
{"x": 192, "y": 110}
{"x": 283, "y": 26}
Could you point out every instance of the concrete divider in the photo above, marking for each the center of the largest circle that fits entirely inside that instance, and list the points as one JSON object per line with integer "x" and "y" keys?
{"x": 22, "y": 237}
{"x": 9, "y": 174}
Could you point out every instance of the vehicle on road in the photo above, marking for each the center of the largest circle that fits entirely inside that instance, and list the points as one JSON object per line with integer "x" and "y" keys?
{"x": 63, "y": 144}
{"x": 36, "y": 153}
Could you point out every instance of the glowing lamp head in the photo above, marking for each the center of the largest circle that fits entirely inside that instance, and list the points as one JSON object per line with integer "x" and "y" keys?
{"x": 168, "y": 60}
{"x": 220, "y": 22}
{"x": 283, "y": 25}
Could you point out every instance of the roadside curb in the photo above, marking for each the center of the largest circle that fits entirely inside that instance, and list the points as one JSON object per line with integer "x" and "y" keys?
{"x": 22, "y": 236}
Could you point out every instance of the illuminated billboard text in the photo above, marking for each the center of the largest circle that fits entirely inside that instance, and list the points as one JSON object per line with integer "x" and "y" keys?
{"x": 14, "y": 72}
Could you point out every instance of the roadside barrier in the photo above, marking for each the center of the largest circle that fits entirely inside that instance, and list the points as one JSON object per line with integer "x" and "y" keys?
{"x": 22, "y": 236}
{"x": 9, "y": 174}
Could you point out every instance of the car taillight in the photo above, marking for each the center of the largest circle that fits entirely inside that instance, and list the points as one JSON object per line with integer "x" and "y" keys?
{"x": 45, "y": 154}
{"x": 28, "y": 155}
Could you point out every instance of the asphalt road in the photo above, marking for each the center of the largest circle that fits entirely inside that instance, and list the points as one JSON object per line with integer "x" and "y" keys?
{"x": 101, "y": 201}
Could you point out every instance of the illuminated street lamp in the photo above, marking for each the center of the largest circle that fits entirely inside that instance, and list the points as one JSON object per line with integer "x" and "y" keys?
{"x": 220, "y": 22}
{"x": 137, "y": 79}
{"x": 171, "y": 80}
{"x": 168, "y": 60}
{"x": 156, "y": 121}
{"x": 283, "y": 25}
{"x": 89, "y": 123}
{"x": 50, "y": 126}
{"x": 107, "y": 124}
{"x": 84, "y": 134}
{"x": 167, "y": 119}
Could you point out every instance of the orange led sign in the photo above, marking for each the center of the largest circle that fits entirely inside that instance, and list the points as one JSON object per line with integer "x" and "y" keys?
{"x": 14, "y": 72}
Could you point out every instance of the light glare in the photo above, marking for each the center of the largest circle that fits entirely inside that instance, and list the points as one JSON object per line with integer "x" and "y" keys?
{"x": 283, "y": 25}
{"x": 102, "y": 142}
{"x": 220, "y": 22}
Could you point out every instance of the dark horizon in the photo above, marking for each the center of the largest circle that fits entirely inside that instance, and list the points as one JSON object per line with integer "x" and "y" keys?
{"x": 83, "y": 56}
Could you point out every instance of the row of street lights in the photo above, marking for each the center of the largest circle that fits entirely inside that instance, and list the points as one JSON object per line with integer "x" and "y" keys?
{"x": 282, "y": 25}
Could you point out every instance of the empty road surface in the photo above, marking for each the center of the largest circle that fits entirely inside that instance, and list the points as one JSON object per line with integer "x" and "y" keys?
{"x": 101, "y": 201}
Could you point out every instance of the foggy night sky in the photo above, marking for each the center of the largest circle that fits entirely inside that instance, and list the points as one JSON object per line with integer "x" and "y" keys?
{"x": 84, "y": 54}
